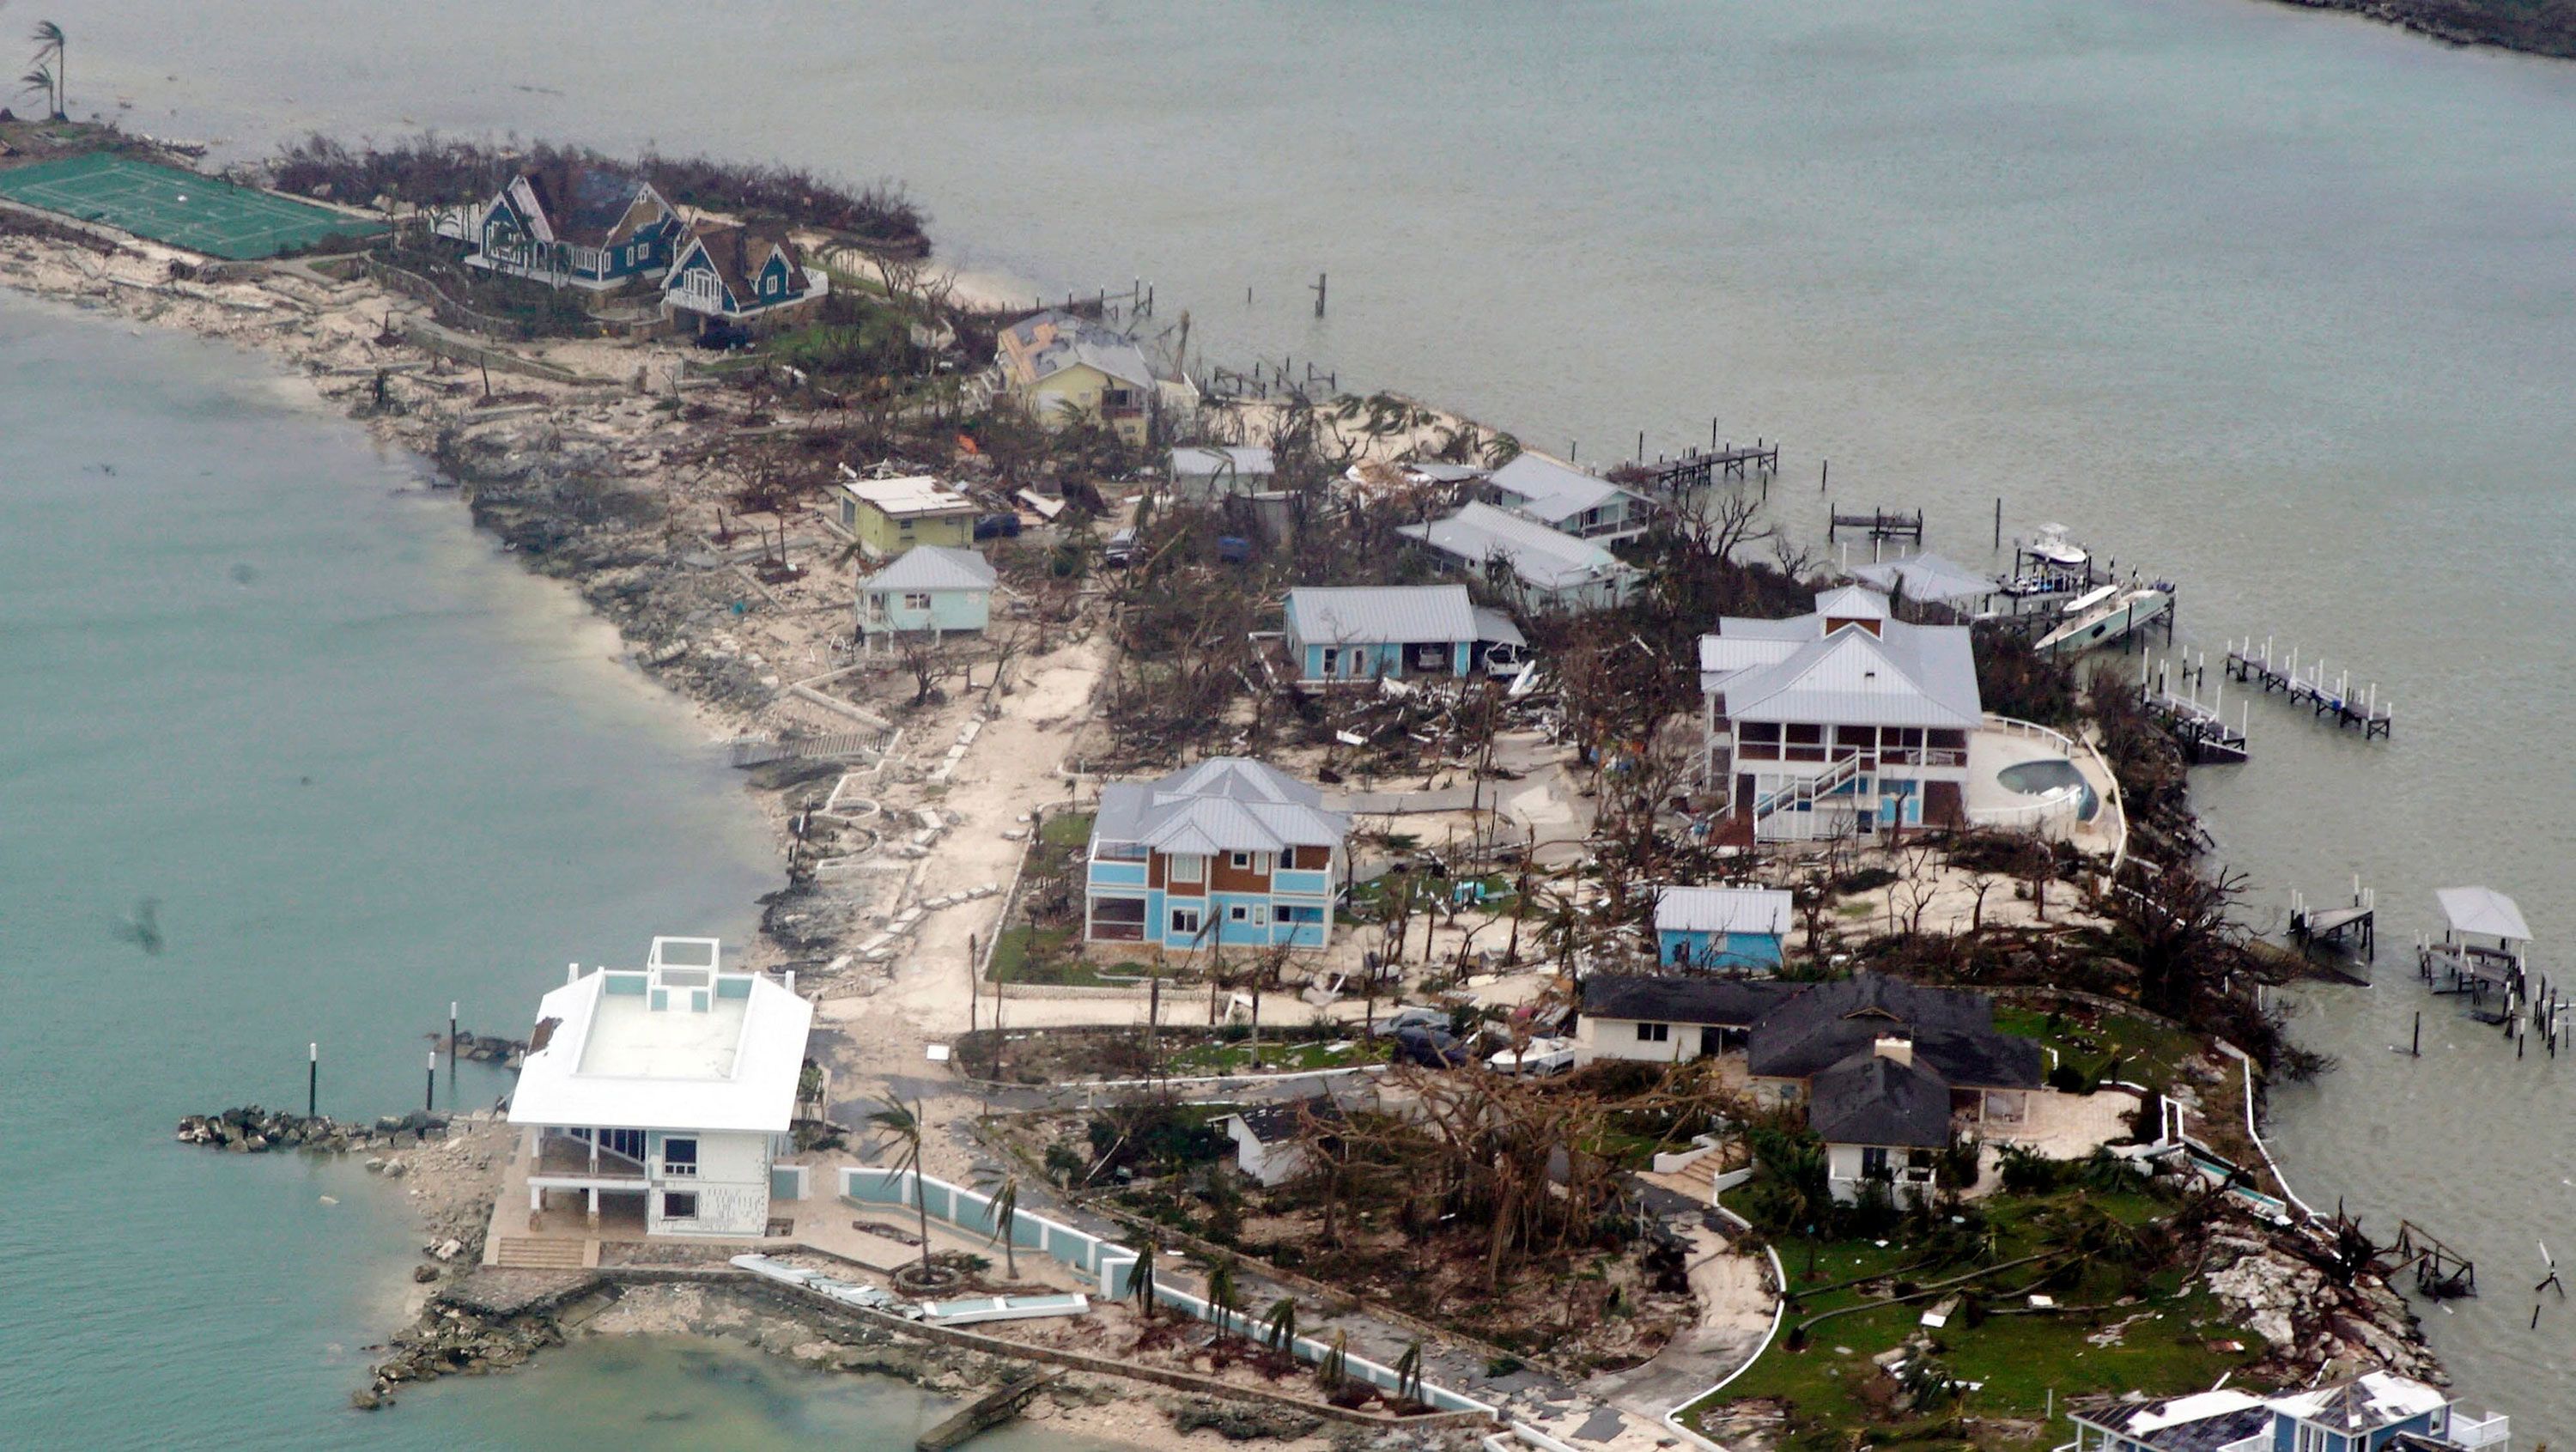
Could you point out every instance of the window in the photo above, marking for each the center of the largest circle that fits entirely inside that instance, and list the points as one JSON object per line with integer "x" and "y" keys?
{"x": 1654, "y": 1033}
{"x": 904, "y": 525}
{"x": 2311, "y": 1439}
{"x": 1185, "y": 920}
{"x": 1239, "y": 860}
{"x": 680, "y": 1158}
{"x": 627, "y": 1142}
{"x": 1332, "y": 659}
{"x": 1873, "y": 1161}
{"x": 1186, "y": 868}
{"x": 679, "y": 1204}
{"x": 917, "y": 600}
{"x": 1243, "y": 913}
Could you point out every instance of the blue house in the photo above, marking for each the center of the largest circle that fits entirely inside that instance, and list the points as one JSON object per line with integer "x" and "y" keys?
{"x": 2376, "y": 1412}
{"x": 1228, "y": 852}
{"x": 1364, "y": 633}
{"x": 1725, "y": 929}
{"x": 568, "y": 225}
{"x": 932, "y": 588}
{"x": 728, "y": 274}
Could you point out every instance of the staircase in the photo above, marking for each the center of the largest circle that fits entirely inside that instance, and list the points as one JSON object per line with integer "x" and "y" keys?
{"x": 524, "y": 1253}
{"x": 1802, "y": 794}
{"x": 1696, "y": 1180}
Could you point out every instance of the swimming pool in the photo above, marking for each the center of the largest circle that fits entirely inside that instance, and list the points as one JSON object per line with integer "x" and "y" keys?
{"x": 2041, "y": 778}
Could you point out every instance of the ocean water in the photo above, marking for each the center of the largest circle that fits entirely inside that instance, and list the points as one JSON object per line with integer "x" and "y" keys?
{"x": 2281, "y": 304}
{"x": 255, "y": 672}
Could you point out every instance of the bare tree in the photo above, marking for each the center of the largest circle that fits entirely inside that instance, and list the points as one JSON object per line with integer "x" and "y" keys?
{"x": 925, "y": 661}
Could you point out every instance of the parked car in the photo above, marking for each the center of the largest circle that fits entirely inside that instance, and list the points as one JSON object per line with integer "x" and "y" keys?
{"x": 1542, "y": 1056}
{"x": 1432, "y": 1048}
{"x": 1233, "y": 549}
{"x": 1504, "y": 660}
{"x": 997, "y": 526}
{"x": 1120, "y": 551}
{"x": 1411, "y": 1017}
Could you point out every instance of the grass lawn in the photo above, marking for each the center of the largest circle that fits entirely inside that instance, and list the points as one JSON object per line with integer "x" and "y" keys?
{"x": 2163, "y": 1344}
{"x": 2149, "y": 1054}
{"x": 1213, "y": 1058}
{"x": 1026, "y": 954}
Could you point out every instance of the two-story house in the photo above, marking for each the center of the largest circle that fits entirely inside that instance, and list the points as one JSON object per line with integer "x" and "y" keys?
{"x": 1059, "y": 366}
{"x": 664, "y": 1095}
{"x": 1844, "y": 721}
{"x": 2375, "y": 1412}
{"x": 889, "y": 516}
{"x": 741, "y": 276}
{"x": 570, "y": 225}
{"x": 1228, "y": 851}
{"x": 1340, "y": 633}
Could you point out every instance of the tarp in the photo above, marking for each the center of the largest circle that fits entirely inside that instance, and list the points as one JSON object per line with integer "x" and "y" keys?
{"x": 2483, "y": 910}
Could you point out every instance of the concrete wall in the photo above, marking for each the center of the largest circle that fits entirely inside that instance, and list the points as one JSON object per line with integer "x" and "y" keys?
{"x": 732, "y": 1185}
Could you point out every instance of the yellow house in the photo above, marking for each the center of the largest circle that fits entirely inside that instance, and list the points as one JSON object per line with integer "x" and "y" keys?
{"x": 1055, "y": 363}
{"x": 889, "y": 516}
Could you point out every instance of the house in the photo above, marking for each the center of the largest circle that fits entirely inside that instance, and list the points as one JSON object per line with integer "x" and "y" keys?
{"x": 665, "y": 1093}
{"x": 936, "y": 588}
{"x": 1209, "y": 472}
{"x": 1541, "y": 567}
{"x": 1057, "y": 364}
{"x": 738, "y": 276}
{"x": 2374, "y": 1412}
{"x": 570, "y": 225}
{"x": 1364, "y": 633}
{"x": 1266, "y": 1137}
{"x": 1229, "y": 851}
{"x": 1736, "y": 929}
{"x": 1940, "y": 1047}
{"x": 1661, "y": 1020}
{"x": 1890, "y": 1072}
{"x": 1841, "y": 721}
{"x": 1568, "y": 500}
{"x": 889, "y": 516}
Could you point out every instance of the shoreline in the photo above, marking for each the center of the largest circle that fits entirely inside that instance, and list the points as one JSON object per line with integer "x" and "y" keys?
{"x": 505, "y": 493}
{"x": 2432, "y": 21}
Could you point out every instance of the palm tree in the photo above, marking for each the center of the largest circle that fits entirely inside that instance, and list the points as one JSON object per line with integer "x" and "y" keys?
{"x": 1222, "y": 1294}
{"x": 49, "y": 41}
{"x": 41, "y": 78}
{"x": 1336, "y": 1365}
{"x": 1282, "y": 1324}
{"x": 1140, "y": 1281}
{"x": 1004, "y": 1187}
{"x": 904, "y": 1123}
{"x": 1408, "y": 1372}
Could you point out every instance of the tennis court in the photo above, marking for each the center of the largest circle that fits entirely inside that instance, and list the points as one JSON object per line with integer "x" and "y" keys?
{"x": 181, "y": 208}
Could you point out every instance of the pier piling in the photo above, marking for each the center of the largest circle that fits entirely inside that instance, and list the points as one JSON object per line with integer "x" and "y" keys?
{"x": 429, "y": 1086}
{"x": 312, "y": 1079}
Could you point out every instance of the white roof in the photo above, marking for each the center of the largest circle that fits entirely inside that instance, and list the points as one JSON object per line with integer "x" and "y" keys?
{"x": 1380, "y": 614}
{"x": 2364, "y": 1404}
{"x": 1930, "y": 578}
{"x": 1722, "y": 910}
{"x": 2483, "y": 910}
{"x": 1542, "y": 557}
{"x": 1242, "y": 459}
{"x": 1851, "y": 602}
{"x": 612, "y": 1061}
{"x": 1790, "y": 670}
{"x": 912, "y": 494}
{"x": 1548, "y": 491}
{"x": 933, "y": 567}
{"x": 1223, "y": 804}
{"x": 2198, "y": 1406}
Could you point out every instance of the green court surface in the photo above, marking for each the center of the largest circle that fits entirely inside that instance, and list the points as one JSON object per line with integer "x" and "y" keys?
{"x": 181, "y": 208}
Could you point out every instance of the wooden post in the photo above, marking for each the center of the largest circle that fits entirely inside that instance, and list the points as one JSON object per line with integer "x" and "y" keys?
{"x": 312, "y": 1079}
{"x": 1319, "y": 294}
{"x": 429, "y": 1087}
{"x": 451, "y": 1054}
{"x": 1999, "y": 522}
{"x": 1712, "y": 436}
{"x": 2417, "y": 1051}
{"x": 1824, "y": 471}
{"x": 1641, "y": 446}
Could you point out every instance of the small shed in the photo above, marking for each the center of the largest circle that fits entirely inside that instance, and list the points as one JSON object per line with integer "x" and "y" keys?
{"x": 1209, "y": 471}
{"x": 927, "y": 588}
{"x": 1266, "y": 1137}
{"x": 1737, "y": 929}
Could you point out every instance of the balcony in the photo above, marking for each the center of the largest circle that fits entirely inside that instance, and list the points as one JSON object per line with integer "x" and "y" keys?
{"x": 2494, "y": 1430}
{"x": 562, "y": 1157}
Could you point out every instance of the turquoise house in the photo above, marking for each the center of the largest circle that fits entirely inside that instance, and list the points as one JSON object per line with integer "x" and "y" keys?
{"x": 1722, "y": 929}
{"x": 737, "y": 274}
{"x": 1229, "y": 852}
{"x": 579, "y": 226}
{"x": 1392, "y": 632}
{"x": 932, "y": 588}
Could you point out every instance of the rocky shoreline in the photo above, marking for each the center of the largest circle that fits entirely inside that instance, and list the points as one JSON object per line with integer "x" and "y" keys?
{"x": 2542, "y": 30}
{"x": 250, "y": 1129}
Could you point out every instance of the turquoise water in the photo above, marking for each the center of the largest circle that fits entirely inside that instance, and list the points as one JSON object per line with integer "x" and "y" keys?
{"x": 253, "y": 670}
{"x": 2278, "y": 303}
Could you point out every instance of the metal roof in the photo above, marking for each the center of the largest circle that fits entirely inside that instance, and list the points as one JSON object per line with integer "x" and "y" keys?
{"x": 1905, "y": 675}
{"x": 1223, "y": 804}
{"x": 1926, "y": 577}
{"x": 1380, "y": 614}
{"x": 1851, "y": 602}
{"x": 1242, "y": 460}
{"x": 1722, "y": 910}
{"x": 1549, "y": 491}
{"x": 2484, "y": 911}
{"x": 1493, "y": 627}
{"x": 1044, "y": 344}
{"x": 1543, "y": 558}
{"x": 933, "y": 567}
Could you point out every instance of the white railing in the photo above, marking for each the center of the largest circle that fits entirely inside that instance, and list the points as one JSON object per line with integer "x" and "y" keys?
{"x": 1808, "y": 788}
{"x": 2119, "y": 828}
{"x": 2259, "y": 1442}
{"x": 2493, "y": 1430}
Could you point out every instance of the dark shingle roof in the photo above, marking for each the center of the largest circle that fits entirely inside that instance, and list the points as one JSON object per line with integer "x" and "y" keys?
{"x": 1279, "y": 1123}
{"x": 1725, "y": 1002}
{"x": 583, "y": 204}
{"x": 1953, "y": 1032}
{"x": 1872, "y": 1099}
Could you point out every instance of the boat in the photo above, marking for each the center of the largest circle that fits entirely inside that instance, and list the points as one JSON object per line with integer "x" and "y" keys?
{"x": 2054, "y": 547}
{"x": 2113, "y": 614}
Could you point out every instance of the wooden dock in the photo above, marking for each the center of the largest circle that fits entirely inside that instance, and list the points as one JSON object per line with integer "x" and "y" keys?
{"x": 1879, "y": 524}
{"x": 2200, "y": 727}
{"x": 2326, "y": 700}
{"x": 2354, "y": 926}
{"x": 985, "y": 1412}
{"x": 1701, "y": 468}
{"x": 2441, "y": 1273}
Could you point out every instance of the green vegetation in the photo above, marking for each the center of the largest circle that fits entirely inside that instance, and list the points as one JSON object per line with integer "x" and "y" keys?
{"x": 1029, "y": 954}
{"x": 2110, "y": 1260}
{"x": 1228, "y": 1057}
{"x": 2106, "y": 1046}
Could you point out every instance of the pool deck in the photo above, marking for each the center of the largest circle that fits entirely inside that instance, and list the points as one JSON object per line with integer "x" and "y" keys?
{"x": 1993, "y": 750}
